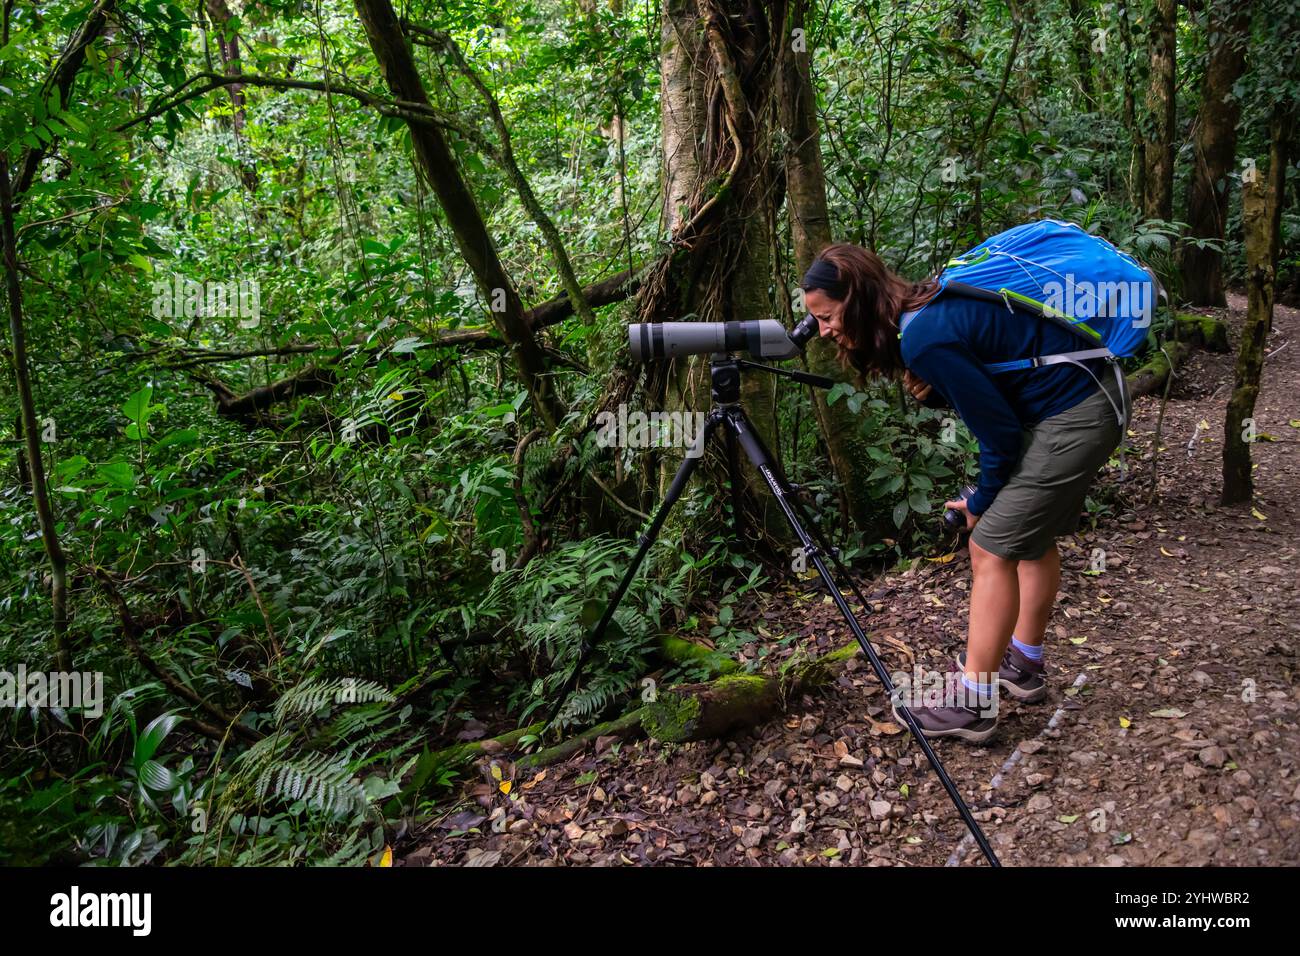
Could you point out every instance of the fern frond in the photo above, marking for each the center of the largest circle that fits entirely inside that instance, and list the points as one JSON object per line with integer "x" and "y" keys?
{"x": 323, "y": 781}
{"x": 312, "y": 694}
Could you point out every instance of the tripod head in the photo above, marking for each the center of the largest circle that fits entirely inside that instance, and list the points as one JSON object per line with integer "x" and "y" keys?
{"x": 724, "y": 374}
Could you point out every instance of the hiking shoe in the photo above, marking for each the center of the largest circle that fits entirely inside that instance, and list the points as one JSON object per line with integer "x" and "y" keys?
{"x": 1023, "y": 679}
{"x": 959, "y": 713}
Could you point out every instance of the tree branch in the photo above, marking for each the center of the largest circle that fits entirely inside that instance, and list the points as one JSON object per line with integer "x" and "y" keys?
{"x": 401, "y": 109}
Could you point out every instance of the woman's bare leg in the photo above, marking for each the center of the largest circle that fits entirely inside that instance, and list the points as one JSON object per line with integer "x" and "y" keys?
{"x": 994, "y": 609}
{"x": 1039, "y": 581}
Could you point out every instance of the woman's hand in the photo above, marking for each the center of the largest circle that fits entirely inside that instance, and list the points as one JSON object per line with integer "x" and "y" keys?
{"x": 960, "y": 505}
{"x": 918, "y": 388}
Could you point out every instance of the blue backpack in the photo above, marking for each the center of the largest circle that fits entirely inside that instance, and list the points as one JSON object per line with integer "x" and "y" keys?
{"x": 1056, "y": 271}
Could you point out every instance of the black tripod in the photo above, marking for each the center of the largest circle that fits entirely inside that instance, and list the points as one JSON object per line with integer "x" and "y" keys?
{"x": 727, "y": 413}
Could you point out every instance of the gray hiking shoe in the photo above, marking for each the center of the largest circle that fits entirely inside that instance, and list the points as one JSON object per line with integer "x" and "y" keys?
{"x": 1023, "y": 679}
{"x": 956, "y": 712}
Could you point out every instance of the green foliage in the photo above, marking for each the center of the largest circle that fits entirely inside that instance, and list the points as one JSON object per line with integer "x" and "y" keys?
{"x": 920, "y": 457}
{"x": 297, "y": 608}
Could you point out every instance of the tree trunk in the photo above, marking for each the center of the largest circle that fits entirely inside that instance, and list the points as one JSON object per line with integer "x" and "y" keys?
{"x": 1260, "y": 199}
{"x": 472, "y": 237}
{"x": 219, "y": 16}
{"x": 1137, "y": 172}
{"x": 30, "y": 431}
{"x": 55, "y": 91}
{"x": 1214, "y": 151}
{"x": 718, "y": 79}
{"x": 810, "y": 230}
{"x": 506, "y": 158}
{"x": 1158, "y": 201}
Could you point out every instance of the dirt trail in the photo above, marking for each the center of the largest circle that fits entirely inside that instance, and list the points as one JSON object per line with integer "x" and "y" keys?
{"x": 1181, "y": 746}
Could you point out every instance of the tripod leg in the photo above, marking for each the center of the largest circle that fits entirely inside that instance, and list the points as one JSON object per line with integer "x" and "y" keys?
{"x": 814, "y": 528}
{"x": 733, "y": 476}
{"x": 758, "y": 454}
{"x": 645, "y": 541}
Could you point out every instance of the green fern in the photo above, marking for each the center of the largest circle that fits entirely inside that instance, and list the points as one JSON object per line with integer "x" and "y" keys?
{"x": 323, "y": 781}
{"x": 313, "y": 694}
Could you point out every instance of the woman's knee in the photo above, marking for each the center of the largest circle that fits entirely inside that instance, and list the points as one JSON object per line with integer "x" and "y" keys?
{"x": 985, "y": 562}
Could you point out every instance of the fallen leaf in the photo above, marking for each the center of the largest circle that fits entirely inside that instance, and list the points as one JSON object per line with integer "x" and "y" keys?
{"x": 572, "y": 831}
{"x": 889, "y": 728}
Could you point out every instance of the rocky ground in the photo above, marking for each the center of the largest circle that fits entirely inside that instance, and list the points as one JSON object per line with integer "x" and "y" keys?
{"x": 1169, "y": 737}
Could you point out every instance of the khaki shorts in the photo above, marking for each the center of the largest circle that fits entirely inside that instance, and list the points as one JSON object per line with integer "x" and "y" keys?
{"x": 1059, "y": 458}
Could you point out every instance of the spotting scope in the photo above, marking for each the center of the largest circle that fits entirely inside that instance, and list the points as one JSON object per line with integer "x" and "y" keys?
{"x": 761, "y": 338}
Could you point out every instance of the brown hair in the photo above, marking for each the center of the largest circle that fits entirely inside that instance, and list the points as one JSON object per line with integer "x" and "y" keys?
{"x": 874, "y": 298}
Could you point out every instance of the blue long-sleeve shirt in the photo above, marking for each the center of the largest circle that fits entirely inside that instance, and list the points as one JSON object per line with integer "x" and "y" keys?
{"x": 948, "y": 343}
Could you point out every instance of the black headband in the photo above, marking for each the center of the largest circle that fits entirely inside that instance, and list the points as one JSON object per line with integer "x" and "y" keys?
{"x": 823, "y": 275}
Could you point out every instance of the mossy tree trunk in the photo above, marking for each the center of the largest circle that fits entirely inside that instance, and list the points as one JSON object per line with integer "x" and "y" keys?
{"x": 810, "y": 232}
{"x": 1158, "y": 150}
{"x": 1259, "y": 218}
{"x": 718, "y": 77}
{"x": 1214, "y": 150}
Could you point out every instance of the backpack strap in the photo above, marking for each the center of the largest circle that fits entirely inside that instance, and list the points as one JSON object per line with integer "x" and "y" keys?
{"x": 1075, "y": 358}
{"x": 1017, "y": 364}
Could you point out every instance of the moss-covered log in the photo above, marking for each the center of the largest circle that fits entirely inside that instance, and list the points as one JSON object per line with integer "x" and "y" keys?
{"x": 1201, "y": 331}
{"x": 681, "y": 651}
{"x": 702, "y": 711}
{"x": 629, "y": 725}
{"x": 1189, "y": 332}
{"x": 1151, "y": 377}
{"x": 688, "y": 712}
{"x": 471, "y": 750}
